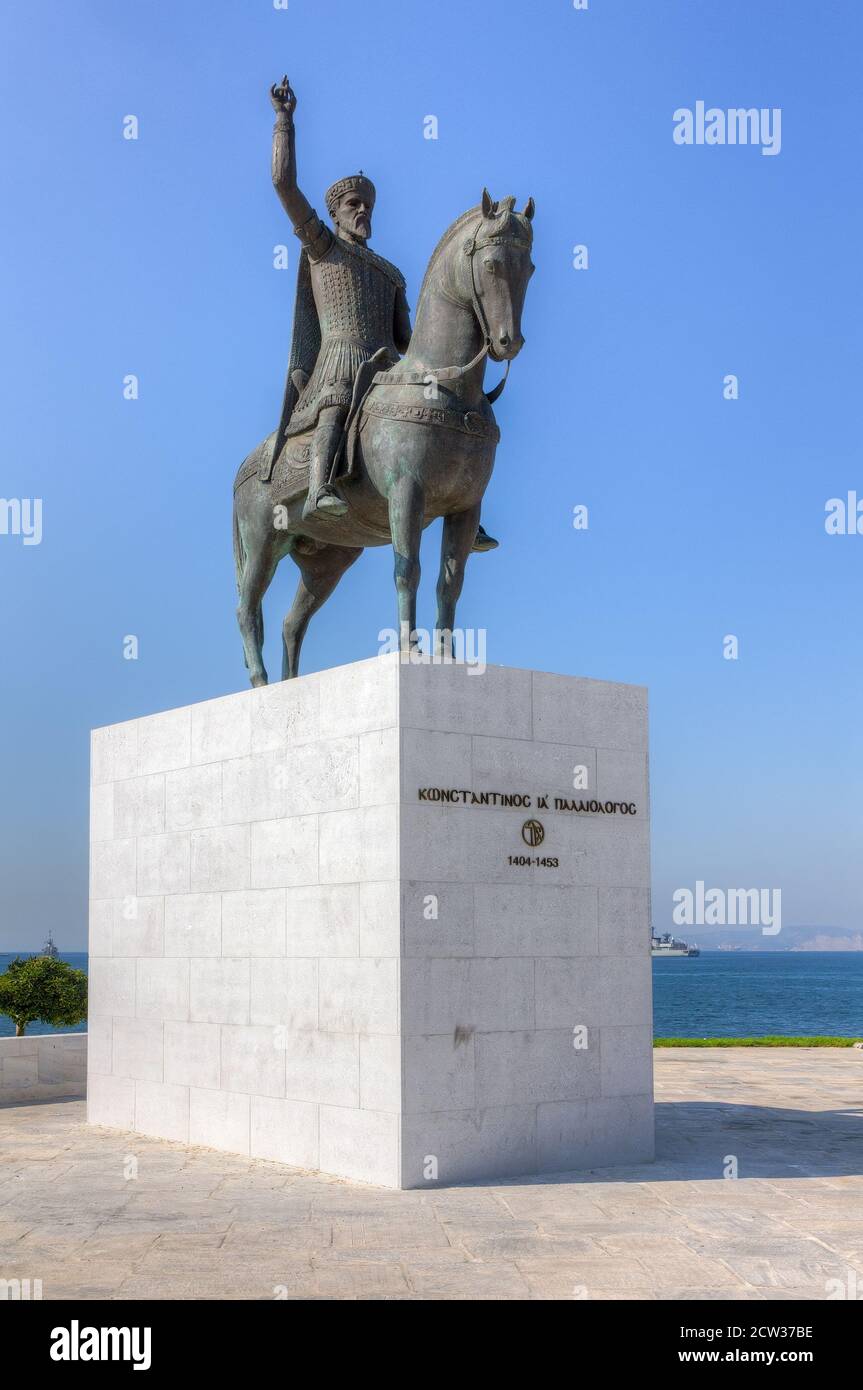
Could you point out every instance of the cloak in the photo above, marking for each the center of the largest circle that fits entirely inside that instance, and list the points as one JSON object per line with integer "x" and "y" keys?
{"x": 305, "y": 346}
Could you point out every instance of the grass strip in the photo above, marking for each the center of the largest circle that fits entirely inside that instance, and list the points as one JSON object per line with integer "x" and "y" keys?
{"x": 769, "y": 1041}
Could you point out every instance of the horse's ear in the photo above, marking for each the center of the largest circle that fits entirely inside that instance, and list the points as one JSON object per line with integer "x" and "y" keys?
{"x": 529, "y": 209}
{"x": 487, "y": 204}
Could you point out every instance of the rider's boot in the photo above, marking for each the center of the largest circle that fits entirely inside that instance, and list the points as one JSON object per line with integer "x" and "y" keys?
{"x": 484, "y": 541}
{"x": 322, "y": 499}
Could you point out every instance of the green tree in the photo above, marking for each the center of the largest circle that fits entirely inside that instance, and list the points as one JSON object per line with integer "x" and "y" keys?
{"x": 45, "y": 989}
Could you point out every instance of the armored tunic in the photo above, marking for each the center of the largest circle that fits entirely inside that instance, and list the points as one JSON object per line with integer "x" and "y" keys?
{"x": 354, "y": 292}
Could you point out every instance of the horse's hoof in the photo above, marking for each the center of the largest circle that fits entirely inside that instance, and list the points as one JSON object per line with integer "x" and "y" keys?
{"x": 259, "y": 680}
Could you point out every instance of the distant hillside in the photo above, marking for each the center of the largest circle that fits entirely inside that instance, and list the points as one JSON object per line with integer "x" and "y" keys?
{"x": 788, "y": 939}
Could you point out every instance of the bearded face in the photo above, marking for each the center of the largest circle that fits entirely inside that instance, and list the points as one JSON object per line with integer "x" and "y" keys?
{"x": 354, "y": 216}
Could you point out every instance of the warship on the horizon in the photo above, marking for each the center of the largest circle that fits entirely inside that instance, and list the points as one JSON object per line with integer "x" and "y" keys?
{"x": 670, "y": 946}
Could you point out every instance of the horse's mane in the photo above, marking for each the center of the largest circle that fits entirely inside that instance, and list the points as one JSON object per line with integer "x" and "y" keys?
{"x": 444, "y": 242}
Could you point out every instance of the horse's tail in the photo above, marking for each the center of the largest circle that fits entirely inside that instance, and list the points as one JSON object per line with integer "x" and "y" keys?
{"x": 239, "y": 549}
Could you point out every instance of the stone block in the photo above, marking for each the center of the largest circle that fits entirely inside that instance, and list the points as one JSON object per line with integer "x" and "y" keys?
{"x": 220, "y": 858}
{"x": 162, "y": 1110}
{"x": 138, "y": 928}
{"x": 284, "y": 1131}
{"x": 111, "y": 988}
{"x": 139, "y": 806}
{"x": 164, "y": 741}
{"x": 162, "y": 989}
{"x": 222, "y": 729}
{"x": 137, "y": 1049}
{"x": 193, "y": 798}
{"x": 111, "y": 1101}
{"x": 253, "y": 1060}
{"x": 253, "y": 922}
{"x": 193, "y": 925}
{"x": 163, "y": 865}
{"x": 192, "y": 1055}
{"x": 284, "y": 853}
{"x": 219, "y": 1120}
{"x": 322, "y": 1067}
{"x": 284, "y": 993}
{"x": 219, "y": 991}
{"x": 323, "y": 920}
{"x": 359, "y": 1144}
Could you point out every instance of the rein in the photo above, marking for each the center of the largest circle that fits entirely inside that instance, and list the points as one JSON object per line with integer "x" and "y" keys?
{"x": 394, "y": 377}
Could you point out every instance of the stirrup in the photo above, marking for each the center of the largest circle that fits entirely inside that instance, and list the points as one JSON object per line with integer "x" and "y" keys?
{"x": 483, "y": 542}
{"x": 327, "y": 503}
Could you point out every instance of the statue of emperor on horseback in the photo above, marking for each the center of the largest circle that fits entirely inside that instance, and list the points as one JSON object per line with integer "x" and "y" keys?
{"x": 370, "y": 447}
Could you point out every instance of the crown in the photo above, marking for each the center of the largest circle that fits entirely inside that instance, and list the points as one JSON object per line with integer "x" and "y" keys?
{"x": 353, "y": 181}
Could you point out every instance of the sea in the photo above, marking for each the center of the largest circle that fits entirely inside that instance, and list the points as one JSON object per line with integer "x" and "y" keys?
{"x": 743, "y": 994}
{"x": 719, "y": 994}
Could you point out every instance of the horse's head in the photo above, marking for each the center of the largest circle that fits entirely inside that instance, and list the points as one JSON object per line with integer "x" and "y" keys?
{"x": 497, "y": 267}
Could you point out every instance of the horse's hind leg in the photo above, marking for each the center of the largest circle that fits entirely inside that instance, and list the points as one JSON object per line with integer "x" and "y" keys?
{"x": 459, "y": 534}
{"x": 254, "y": 580}
{"x": 406, "y": 510}
{"x": 320, "y": 572}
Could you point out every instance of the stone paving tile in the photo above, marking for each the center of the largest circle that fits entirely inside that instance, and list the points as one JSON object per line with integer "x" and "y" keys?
{"x": 492, "y": 1279}
{"x": 103, "y": 1246}
{"x": 508, "y": 1246}
{"x": 233, "y": 1288}
{"x": 436, "y": 1255}
{"x": 297, "y": 1235}
{"x": 549, "y": 1277}
{"x": 195, "y": 1224}
{"x": 93, "y": 1280}
{"x": 462, "y": 1228}
{"x": 719, "y": 1221}
{"x": 689, "y": 1294}
{"x": 642, "y": 1244}
{"x": 11, "y": 1231}
{"x": 47, "y": 1249}
{"x": 360, "y": 1279}
{"x": 788, "y": 1271}
{"x": 626, "y": 1274}
{"x": 152, "y": 1222}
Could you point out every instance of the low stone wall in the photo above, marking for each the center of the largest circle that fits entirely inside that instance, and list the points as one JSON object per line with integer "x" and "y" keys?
{"x": 46, "y": 1067}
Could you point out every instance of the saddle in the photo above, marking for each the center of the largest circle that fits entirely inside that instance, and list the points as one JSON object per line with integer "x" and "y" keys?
{"x": 289, "y": 473}
{"x": 346, "y": 454}
{"x": 381, "y": 370}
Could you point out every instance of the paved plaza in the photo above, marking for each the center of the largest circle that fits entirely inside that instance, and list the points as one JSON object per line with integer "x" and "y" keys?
{"x": 93, "y": 1213}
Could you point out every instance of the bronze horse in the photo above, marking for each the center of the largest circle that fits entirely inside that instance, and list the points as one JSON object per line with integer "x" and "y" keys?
{"x": 424, "y": 441}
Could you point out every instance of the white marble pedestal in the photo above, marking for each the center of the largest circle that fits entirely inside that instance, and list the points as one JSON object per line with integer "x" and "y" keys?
{"x": 333, "y": 924}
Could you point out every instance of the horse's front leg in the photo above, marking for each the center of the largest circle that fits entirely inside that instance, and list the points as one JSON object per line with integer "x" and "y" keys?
{"x": 407, "y": 512}
{"x": 459, "y": 534}
{"x": 257, "y": 558}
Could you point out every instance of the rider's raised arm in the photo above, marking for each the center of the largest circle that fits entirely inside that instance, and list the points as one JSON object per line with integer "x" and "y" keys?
{"x": 294, "y": 202}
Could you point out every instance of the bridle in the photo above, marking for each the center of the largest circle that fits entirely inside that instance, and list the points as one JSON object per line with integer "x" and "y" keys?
{"x": 470, "y": 250}
{"x": 447, "y": 374}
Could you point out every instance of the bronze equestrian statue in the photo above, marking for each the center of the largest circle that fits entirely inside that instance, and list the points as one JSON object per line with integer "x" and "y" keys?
{"x": 371, "y": 448}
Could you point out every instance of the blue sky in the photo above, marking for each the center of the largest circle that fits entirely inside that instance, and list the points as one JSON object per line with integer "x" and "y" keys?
{"x": 154, "y": 257}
